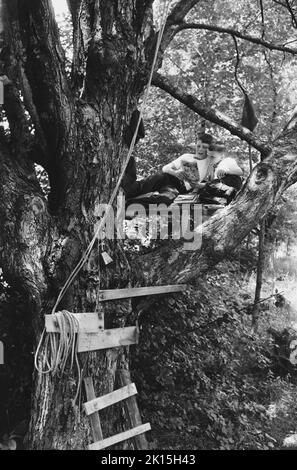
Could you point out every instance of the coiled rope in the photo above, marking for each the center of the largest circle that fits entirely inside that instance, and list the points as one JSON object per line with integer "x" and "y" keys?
{"x": 60, "y": 348}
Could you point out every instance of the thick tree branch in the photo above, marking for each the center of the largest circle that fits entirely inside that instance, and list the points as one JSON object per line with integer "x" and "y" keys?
{"x": 222, "y": 233}
{"x": 44, "y": 68}
{"x": 20, "y": 135}
{"x": 176, "y": 16}
{"x": 210, "y": 114}
{"x": 74, "y": 7}
{"x": 180, "y": 10}
{"x": 110, "y": 33}
{"x": 41, "y": 76}
{"x": 238, "y": 34}
{"x": 81, "y": 36}
{"x": 12, "y": 66}
{"x": 24, "y": 218}
{"x": 286, "y": 4}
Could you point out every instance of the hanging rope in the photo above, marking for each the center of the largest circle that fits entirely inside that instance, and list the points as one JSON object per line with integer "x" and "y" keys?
{"x": 237, "y": 67}
{"x": 249, "y": 118}
{"x": 59, "y": 346}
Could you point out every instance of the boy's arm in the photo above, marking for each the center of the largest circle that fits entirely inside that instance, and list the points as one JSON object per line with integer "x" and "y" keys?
{"x": 174, "y": 168}
{"x": 236, "y": 172}
{"x": 228, "y": 166}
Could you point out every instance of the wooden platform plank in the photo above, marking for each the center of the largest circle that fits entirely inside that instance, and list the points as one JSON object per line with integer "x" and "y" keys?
{"x": 88, "y": 322}
{"x": 132, "y": 413}
{"x": 94, "y": 418}
{"x": 214, "y": 206}
{"x": 107, "y": 339}
{"x": 110, "y": 399}
{"x": 1, "y": 354}
{"x": 113, "y": 294}
{"x": 123, "y": 436}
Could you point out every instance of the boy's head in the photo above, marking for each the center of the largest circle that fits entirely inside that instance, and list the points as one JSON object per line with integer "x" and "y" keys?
{"x": 206, "y": 138}
{"x": 217, "y": 151}
{"x": 217, "y": 146}
{"x": 202, "y": 146}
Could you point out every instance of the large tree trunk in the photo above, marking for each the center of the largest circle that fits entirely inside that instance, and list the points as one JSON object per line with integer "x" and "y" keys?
{"x": 79, "y": 140}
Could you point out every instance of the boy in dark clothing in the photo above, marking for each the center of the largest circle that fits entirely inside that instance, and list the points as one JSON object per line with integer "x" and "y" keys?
{"x": 162, "y": 180}
{"x": 224, "y": 187}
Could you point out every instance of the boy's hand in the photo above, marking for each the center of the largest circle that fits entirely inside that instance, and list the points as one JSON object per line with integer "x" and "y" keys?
{"x": 199, "y": 185}
{"x": 179, "y": 173}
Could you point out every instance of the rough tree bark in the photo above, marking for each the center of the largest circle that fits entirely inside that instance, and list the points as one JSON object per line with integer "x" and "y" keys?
{"x": 78, "y": 140}
{"x": 259, "y": 278}
{"x": 79, "y": 125}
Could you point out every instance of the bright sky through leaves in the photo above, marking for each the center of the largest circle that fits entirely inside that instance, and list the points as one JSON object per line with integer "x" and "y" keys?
{"x": 60, "y": 6}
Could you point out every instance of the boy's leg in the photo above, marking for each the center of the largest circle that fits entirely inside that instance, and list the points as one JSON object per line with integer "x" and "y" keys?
{"x": 160, "y": 181}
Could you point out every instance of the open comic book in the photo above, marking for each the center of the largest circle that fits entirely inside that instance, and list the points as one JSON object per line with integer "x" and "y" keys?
{"x": 190, "y": 198}
{"x": 191, "y": 172}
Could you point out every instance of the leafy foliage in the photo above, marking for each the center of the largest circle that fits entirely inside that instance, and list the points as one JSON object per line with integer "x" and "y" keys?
{"x": 205, "y": 380}
{"x": 16, "y": 373}
{"x": 204, "y": 63}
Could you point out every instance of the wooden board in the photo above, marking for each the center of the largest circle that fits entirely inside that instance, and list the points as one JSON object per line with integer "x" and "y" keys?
{"x": 113, "y": 294}
{"x": 88, "y": 322}
{"x": 131, "y": 410}
{"x": 1, "y": 92}
{"x": 1, "y": 353}
{"x": 94, "y": 419}
{"x": 110, "y": 399}
{"x": 214, "y": 206}
{"x": 123, "y": 436}
{"x": 107, "y": 339}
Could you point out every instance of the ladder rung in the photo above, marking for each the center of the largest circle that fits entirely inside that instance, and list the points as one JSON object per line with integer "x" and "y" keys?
{"x": 123, "y": 436}
{"x": 113, "y": 294}
{"x": 110, "y": 399}
{"x": 88, "y": 322}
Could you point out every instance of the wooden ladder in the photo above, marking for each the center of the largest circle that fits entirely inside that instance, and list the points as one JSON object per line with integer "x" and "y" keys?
{"x": 92, "y": 336}
{"x": 126, "y": 394}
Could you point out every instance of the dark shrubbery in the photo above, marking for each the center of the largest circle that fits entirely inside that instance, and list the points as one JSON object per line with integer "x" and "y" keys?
{"x": 16, "y": 373}
{"x": 205, "y": 380}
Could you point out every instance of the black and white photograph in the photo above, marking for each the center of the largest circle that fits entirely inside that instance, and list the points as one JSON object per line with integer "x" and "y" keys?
{"x": 148, "y": 228}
